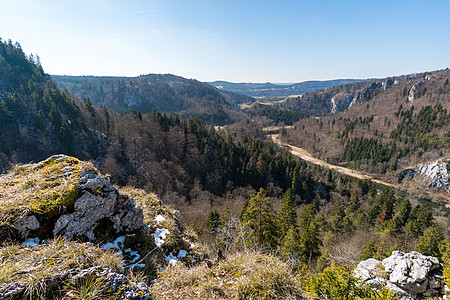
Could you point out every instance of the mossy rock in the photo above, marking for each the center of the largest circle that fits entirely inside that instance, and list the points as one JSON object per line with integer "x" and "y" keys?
{"x": 44, "y": 190}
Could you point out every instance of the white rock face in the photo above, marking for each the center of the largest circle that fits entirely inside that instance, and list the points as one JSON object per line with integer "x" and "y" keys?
{"x": 340, "y": 103}
{"x": 402, "y": 294}
{"x": 343, "y": 101}
{"x": 99, "y": 201}
{"x": 412, "y": 93}
{"x": 437, "y": 175}
{"x": 367, "y": 269}
{"x": 411, "y": 275}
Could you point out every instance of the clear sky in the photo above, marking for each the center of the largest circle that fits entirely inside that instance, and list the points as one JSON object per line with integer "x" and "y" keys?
{"x": 233, "y": 40}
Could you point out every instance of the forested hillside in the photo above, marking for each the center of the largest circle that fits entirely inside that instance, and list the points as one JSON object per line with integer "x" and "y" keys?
{"x": 162, "y": 92}
{"x": 394, "y": 124}
{"x": 36, "y": 118}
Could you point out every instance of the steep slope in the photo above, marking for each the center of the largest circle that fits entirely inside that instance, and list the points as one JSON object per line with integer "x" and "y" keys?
{"x": 36, "y": 118}
{"x": 165, "y": 93}
{"x": 277, "y": 90}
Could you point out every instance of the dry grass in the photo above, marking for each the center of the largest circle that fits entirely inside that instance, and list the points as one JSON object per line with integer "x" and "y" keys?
{"x": 35, "y": 267}
{"x": 240, "y": 276}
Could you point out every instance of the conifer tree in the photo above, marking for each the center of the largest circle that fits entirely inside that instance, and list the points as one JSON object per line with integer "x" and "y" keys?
{"x": 287, "y": 217}
{"x": 259, "y": 215}
{"x": 213, "y": 221}
{"x": 290, "y": 247}
{"x": 310, "y": 242}
{"x": 429, "y": 243}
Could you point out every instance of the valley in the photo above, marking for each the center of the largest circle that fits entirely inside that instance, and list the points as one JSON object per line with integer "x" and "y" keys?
{"x": 441, "y": 198}
{"x": 163, "y": 187}
{"x": 306, "y": 156}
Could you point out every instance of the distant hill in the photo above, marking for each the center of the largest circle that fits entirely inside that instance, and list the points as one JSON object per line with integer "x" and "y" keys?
{"x": 163, "y": 92}
{"x": 276, "y": 90}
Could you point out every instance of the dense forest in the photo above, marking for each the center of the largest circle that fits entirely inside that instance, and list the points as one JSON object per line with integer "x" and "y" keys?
{"x": 276, "y": 114}
{"x": 36, "y": 118}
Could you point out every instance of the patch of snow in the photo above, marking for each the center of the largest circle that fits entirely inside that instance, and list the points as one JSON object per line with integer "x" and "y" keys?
{"x": 115, "y": 244}
{"x": 159, "y": 218}
{"x": 160, "y": 236}
{"x": 182, "y": 253}
{"x": 31, "y": 242}
{"x": 132, "y": 253}
{"x": 118, "y": 245}
{"x": 138, "y": 266}
{"x": 171, "y": 259}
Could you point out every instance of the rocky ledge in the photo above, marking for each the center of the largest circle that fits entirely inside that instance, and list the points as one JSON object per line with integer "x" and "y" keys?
{"x": 63, "y": 196}
{"x": 409, "y": 275}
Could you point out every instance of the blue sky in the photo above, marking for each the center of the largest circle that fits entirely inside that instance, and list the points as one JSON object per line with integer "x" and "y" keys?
{"x": 245, "y": 40}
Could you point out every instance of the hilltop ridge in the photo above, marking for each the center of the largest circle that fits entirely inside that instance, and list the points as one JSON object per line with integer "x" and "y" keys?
{"x": 163, "y": 92}
{"x": 278, "y": 90}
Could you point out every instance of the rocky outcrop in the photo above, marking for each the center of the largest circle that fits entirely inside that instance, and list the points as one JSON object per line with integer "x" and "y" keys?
{"x": 82, "y": 200}
{"x": 387, "y": 84}
{"x": 436, "y": 175}
{"x": 343, "y": 101}
{"x": 114, "y": 283}
{"x": 99, "y": 202}
{"x": 409, "y": 275}
{"x": 412, "y": 93}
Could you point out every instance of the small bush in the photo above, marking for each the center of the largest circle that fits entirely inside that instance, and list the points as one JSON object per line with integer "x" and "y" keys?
{"x": 337, "y": 282}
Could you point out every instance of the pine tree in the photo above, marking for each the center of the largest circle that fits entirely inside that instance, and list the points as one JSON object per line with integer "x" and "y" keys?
{"x": 429, "y": 243}
{"x": 287, "y": 217}
{"x": 259, "y": 215}
{"x": 369, "y": 250}
{"x": 290, "y": 247}
{"x": 308, "y": 214}
{"x": 309, "y": 242}
{"x": 354, "y": 204}
{"x": 213, "y": 221}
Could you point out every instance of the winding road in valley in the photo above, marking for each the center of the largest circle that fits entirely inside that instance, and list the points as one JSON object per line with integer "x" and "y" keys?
{"x": 306, "y": 156}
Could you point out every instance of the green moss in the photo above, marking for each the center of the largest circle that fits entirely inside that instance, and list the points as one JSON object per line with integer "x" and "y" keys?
{"x": 49, "y": 204}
